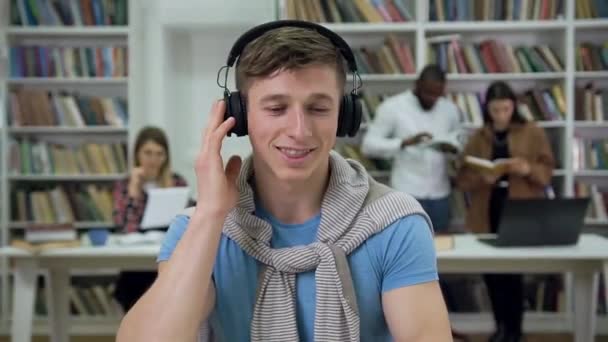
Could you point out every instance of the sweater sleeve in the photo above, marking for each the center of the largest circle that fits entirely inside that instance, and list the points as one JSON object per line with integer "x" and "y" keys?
{"x": 543, "y": 162}
{"x": 379, "y": 141}
{"x": 468, "y": 179}
{"x": 127, "y": 211}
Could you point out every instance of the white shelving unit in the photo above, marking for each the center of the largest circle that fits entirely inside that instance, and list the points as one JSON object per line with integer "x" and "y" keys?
{"x": 564, "y": 33}
{"x": 124, "y": 35}
{"x": 561, "y": 34}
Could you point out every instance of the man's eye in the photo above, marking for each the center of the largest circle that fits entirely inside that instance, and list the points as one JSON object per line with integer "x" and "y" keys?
{"x": 276, "y": 109}
{"x": 320, "y": 110}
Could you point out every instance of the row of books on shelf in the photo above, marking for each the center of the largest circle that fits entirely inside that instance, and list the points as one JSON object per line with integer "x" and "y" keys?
{"x": 375, "y": 11}
{"x": 68, "y": 61}
{"x": 591, "y": 103}
{"x": 29, "y": 156}
{"x": 35, "y": 107}
{"x": 598, "y": 208}
{"x": 393, "y": 57}
{"x": 349, "y": 11}
{"x": 589, "y": 9}
{"x": 68, "y": 12}
{"x": 591, "y": 56}
{"x": 590, "y": 154}
{"x": 491, "y": 56}
{"x": 481, "y": 10}
{"x": 62, "y": 204}
{"x": 90, "y": 297}
{"x": 535, "y": 104}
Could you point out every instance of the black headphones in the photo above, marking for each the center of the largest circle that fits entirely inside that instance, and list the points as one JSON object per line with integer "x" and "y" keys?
{"x": 349, "y": 118}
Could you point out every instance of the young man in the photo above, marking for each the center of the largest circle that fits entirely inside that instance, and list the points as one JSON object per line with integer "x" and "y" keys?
{"x": 295, "y": 244}
{"x": 402, "y": 124}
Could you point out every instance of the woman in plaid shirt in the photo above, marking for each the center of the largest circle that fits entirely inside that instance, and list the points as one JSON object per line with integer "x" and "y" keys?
{"x": 152, "y": 169}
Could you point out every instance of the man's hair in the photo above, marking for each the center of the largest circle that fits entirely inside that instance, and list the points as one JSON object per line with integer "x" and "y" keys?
{"x": 287, "y": 48}
{"x": 432, "y": 72}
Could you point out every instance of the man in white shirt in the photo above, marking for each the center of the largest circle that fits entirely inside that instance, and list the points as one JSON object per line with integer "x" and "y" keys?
{"x": 403, "y": 127}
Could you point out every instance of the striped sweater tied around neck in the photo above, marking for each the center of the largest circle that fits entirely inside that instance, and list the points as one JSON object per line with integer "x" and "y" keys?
{"x": 354, "y": 208}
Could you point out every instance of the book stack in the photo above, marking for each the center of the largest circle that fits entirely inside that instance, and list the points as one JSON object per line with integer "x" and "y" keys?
{"x": 43, "y": 236}
{"x": 491, "y": 56}
{"x": 68, "y": 12}
{"x": 481, "y": 10}
{"x": 348, "y": 11}
{"x": 41, "y": 233}
{"x": 33, "y": 107}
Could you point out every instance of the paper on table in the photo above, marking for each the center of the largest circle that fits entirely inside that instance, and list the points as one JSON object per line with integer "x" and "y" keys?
{"x": 162, "y": 206}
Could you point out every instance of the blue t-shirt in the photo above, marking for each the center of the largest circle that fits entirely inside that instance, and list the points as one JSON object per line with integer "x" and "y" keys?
{"x": 403, "y": 254}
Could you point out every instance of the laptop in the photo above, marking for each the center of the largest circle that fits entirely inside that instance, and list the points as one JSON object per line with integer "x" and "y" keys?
{"x": 540, "y": 222}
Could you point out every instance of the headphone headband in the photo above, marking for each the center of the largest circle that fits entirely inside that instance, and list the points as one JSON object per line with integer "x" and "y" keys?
{"x": 259, "y": 30}
{"x": 349, "y": 117}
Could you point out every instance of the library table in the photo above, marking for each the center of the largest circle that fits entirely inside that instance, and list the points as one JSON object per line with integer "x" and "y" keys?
{"x": 584, "y": 261}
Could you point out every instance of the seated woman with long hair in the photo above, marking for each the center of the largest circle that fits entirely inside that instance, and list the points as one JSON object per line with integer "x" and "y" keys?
{"x": 152, "y": 170}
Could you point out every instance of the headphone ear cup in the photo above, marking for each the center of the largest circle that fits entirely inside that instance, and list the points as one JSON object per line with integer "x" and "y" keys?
{"x": 357, "y": 114}
{"x": 344, "y": 117}
{"x": 235, "y": 107}
{"x": 350, "y": 116}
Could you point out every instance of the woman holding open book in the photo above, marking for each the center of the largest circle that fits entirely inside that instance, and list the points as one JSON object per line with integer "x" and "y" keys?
{"x": 152, "y": 170}
{"x": 506, "y": 158}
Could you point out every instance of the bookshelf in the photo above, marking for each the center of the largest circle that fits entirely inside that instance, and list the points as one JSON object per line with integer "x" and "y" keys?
{"x": 417, "y": 31}
{"x": 66, "y": 81}
{"x": 562, "y": 26}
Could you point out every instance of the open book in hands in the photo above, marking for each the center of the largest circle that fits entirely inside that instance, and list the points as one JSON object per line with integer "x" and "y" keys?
{"x": 445, "y": 145}
{"x": 497, "y": 167}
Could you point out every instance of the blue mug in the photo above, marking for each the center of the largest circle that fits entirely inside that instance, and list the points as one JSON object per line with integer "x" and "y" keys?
{"x": 98, "y": 236}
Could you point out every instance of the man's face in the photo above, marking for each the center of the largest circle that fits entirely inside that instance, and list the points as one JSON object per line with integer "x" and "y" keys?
{"x": 428, "y": 92}
{"x": 293, "y": 119}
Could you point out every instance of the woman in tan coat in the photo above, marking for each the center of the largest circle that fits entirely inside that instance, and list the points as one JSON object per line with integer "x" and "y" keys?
{"x": 528, "y": 171}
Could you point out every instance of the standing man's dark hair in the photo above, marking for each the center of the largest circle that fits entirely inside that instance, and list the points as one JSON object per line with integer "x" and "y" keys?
{"x": 430, "y": 86}
{"x": 432, "y": 72}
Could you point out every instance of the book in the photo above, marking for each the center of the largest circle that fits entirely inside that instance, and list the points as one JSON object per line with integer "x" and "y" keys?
{"x": 443, "y": 242}
{"x": 497, "y": 166}
{"x": 442, "y": 145}
{"x": 40, "y": 247}
{"x": 42, "y": 233}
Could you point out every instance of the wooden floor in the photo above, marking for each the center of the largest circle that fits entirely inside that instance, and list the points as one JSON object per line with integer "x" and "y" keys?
{"x": 478, "y": 338}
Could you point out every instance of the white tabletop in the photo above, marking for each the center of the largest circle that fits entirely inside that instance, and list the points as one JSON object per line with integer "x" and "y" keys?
{"x": 467, "y": 246}
{"x": 150, "y": 251}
